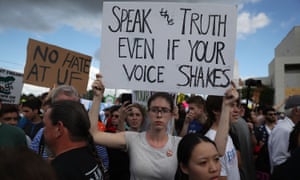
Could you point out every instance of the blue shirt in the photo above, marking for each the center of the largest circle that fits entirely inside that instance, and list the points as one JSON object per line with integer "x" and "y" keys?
{"x": 194, "y": 127}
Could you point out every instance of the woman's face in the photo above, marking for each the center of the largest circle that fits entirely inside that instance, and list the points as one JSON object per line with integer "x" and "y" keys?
{"x": 253, "y": 117}
{"x": 115, "y": 118}
{"x": 159, "y": 113}
{"x": 135, "y": 118}
{"x": 204, "y": 163}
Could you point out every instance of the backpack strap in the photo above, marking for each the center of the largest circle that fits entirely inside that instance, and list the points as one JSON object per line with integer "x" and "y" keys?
{"x": 41, "y": 145}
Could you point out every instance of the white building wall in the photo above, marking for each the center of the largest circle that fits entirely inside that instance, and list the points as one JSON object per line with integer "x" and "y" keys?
{"x": 287, "y": 52}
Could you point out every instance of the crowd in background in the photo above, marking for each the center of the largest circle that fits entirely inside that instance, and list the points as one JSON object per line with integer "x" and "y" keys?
{"x": 53, "y": 136}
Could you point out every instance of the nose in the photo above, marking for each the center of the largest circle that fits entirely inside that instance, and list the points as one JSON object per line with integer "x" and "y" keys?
{"x": 213, "y": 166}
{"x": 14, "y": 123}
{"x": 159, "y": 113}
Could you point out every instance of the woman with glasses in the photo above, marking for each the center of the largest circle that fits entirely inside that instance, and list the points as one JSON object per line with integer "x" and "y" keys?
{"x": 152, "y": 153}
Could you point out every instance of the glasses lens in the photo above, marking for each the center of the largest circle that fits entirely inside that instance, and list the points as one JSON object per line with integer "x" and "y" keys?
{"x": 160, "y": 110}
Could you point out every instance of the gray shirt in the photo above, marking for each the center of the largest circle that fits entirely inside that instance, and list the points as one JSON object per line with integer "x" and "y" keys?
{"x": 241, "y": 135}
{"x": 147, "y": 162}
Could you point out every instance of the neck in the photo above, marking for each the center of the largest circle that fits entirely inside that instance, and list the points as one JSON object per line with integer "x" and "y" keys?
{"x": 67, "y": 146}
{"x": 157, "y": 139}
{"x": 134, "y": 129}
{"x": 270, "y": 125}
{"x": 37, "y": 119}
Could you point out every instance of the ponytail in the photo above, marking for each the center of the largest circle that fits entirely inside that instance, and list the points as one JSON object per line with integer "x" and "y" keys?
{"x": 91, "y": 146}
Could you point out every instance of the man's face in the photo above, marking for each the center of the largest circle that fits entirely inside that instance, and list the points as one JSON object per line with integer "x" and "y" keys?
{"x": 28, "y": 113}
{"x": 49, "y": 129}
{"x": 235, "y": 112}
{"x": 10, "y": 118}
{"x": 270, "y": 116}
{"x": 196, "y": 111}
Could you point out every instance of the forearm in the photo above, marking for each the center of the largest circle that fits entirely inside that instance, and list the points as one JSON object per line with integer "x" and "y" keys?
{"x": 222, "y": 131}
{"x": 184, "y": 129}
{"x": 121, "y": 124}
{"x": 94, "y": 113}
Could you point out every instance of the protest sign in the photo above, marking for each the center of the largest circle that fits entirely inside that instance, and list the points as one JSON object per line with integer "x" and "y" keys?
{"x": 11, "y": 85}
{"x": 172, "y": 47}
{"x": 49, "y": 65}
{"x": 142, "y": 97}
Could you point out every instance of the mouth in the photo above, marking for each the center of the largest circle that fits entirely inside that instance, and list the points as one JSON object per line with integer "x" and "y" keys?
{"x": 158, "y": 123}
{"x": 215, "y": 178}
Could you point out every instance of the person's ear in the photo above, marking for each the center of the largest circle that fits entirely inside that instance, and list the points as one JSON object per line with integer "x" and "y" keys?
{"x": 184, "y": 168}
{"x": 59, "y": 130}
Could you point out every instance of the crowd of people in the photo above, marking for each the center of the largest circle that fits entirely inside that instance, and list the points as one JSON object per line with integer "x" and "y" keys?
{"x": 213, "y": 137}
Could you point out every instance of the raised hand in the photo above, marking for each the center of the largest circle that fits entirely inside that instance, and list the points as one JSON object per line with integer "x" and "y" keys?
{"x": 97, "y": 86}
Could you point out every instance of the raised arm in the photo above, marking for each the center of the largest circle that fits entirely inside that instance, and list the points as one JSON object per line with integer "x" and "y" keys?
{"x": 113, "y": 140}
{"x": 230, "y": 97}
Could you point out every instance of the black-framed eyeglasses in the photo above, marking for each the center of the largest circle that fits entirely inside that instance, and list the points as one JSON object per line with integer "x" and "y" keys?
{"x": 271, "y": 114}
{"x": 157, "y": 110}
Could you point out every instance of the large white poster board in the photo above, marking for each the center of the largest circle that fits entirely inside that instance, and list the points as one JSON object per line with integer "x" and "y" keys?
{"x": 11, "y": 85}
{"x": 172, "y": 47}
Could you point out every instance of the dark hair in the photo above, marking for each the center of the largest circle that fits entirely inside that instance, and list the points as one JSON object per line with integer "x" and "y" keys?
{"x": 44, "y": 95}
{"x": 114, "y": 108}
{"x": 185, "y": 149}
{"x": 163, "y": 95}
{"x": 23, "y": 163}
{"x": 74, "y": 117}
{"x": 267, "y": 109}
{"x": 8, "y": 108}
{"x": 33, "y": 103}
{"x": 294, "y": 136}
{"x": 213, "y": 103}
{"x": 198, "y": 100}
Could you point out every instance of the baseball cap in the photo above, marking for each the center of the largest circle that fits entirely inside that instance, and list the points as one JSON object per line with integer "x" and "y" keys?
{"x": 292, "y": 101}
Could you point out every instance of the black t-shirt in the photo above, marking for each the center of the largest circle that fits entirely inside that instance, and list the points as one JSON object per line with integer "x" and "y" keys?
{"x": 77, "y": 164}
{"x": 118, "y": 164}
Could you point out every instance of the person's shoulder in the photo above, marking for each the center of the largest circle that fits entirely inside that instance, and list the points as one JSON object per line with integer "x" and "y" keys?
{"x": 282, "y": 126}
{"x": 13, "y": 128}
{"x": 176, "y": 138}
{"x": 211, "y": 133}
{"x": 134, "y": 135}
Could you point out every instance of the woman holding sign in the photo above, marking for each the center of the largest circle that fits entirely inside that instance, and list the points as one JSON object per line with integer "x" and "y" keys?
{"x": 152, "y": 153}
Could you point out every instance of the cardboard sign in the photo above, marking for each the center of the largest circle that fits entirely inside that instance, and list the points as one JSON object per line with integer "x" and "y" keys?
{"x": 11, "y": 85}
{"x": 172, "y": 47}
{"x": 47, "y": 65}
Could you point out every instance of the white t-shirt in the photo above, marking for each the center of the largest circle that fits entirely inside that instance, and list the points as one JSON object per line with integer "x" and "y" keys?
{"x": 147, "y": 162}
{"x": 279, "y": 141}
{"x": 229, "y": 162}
